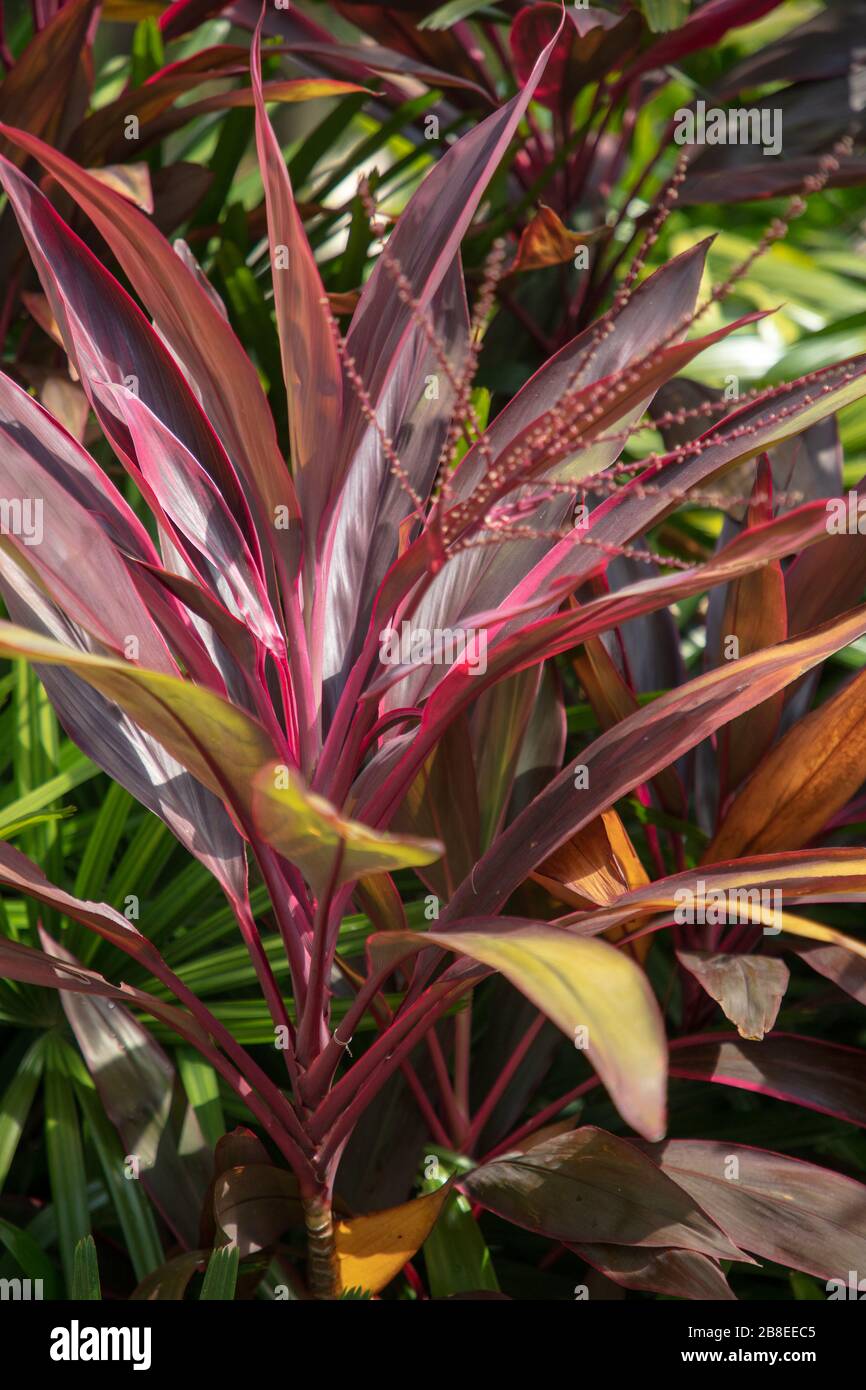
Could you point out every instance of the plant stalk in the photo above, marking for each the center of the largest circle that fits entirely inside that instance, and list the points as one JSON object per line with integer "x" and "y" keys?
{"x": 323, "y": 1275}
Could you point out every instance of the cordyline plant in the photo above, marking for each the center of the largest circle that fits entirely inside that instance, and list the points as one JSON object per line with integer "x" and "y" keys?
{"x": 124, "y": 141}
{"x": 339, "y": 668}
{"x": 608, "y": 68}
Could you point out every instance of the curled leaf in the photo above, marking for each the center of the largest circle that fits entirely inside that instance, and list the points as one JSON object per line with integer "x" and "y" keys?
{"x": 749, "y": 989}
{"x": 547, "y": 241}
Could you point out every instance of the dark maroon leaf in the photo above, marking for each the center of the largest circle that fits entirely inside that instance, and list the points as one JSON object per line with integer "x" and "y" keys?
{"x": 591, "y": 1186}
{"x": 675, "y": 1273}
{"x": 778, "y": 1207}
{"x": 820, "y": 1075}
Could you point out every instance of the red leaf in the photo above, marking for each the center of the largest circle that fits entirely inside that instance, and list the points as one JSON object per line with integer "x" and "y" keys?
{"x": 819, "y": 1075}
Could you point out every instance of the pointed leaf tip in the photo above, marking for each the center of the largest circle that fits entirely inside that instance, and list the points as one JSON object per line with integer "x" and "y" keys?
{"x": 310, "y": 832}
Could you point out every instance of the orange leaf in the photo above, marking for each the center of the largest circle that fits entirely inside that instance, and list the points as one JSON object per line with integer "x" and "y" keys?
{"x": 613, "y": 700}
{"x": 756, "y": 615}
{"x": 596, "y": 867}
{"x": 547, "y": 241}
{"x": 802, "y": 782}
{"x": 371, "y": 1250}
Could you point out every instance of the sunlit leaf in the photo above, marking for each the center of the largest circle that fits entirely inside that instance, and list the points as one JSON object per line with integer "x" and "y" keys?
{"x": 372, "y": 1249}
{"x": 312, "y": 834}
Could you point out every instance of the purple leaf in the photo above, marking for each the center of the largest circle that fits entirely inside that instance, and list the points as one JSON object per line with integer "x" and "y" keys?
{"x": 778, "y": 1207}
{"x": 41, "y": 91}
{"x": 819, "y": 1075}
{"x": 573, "y": 1188}
{"x": 373, "y": 503}
{"x": 184, "y": 312}
{"x": 192, "y": 502}
{"x": 427, "y": 237}
{"x": 635, "y": 750}
{"x": 311, "y": 367}
{"x": 675, "y": 1273}
{"x": 109, "y": 339}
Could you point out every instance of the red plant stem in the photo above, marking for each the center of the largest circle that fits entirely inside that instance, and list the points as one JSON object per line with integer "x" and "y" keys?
{"x": 251, "y": 1071}
{"x": 362, "y": 717}
{"x": 358, "y": 737}
{"x": 285, "y": 737}
{"x": 500, "y": 1085}
{"x": 343, "y": 740}
{"x": 549, "y": 1112}
{"x": 347, "y": 708}
{"x": 413, "y": 1279}
{"x": 743, "y": 936}
{"x": 290, "y": 712}
{"x": 438, "y": 1131}
{"x": 456, "y": 1120}
{"x": 298, "y": 898}
{"x": 347, "y": 1117}
{"x": 241, "y": 1086}
{"x": 426, "y": 1009}
{"x": 462, "y": 1065}
{"x": 652, "y": 839}
{"x": 318, "y": 1075}
{"x": 270, "y": 989}
{"x": 278, "y": 892}
{"x": 391, "y": 716}
{"x": 318, "y": 1078}
{"x": 394, "y": 787}
{"x": 298, "y": 1161}
{"x": 310, "y": 1042}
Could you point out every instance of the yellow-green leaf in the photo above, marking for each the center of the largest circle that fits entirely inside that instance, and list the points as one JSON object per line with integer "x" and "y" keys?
{"x": 310, "y": 832}
{"x": 217, "y": 742}
{"x": 594, "y": 992}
